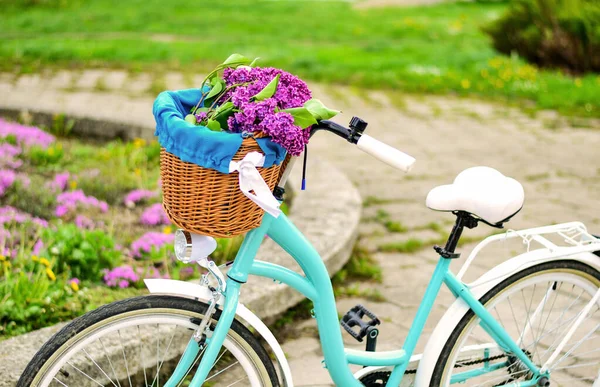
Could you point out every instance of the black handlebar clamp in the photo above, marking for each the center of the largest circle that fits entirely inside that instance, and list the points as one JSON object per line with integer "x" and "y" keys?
{"x": 357, "y": 127}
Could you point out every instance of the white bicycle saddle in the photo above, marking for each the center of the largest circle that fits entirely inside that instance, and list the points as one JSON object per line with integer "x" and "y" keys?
{"x": 480, "y": 191}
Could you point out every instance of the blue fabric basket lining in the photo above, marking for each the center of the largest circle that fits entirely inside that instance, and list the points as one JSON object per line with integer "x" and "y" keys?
{"x": 198, "y": 144}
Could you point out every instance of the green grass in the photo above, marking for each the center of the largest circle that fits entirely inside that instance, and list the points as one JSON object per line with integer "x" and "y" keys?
{"x": 360, "y": 266}
{"x": 433, "y": 49}
{"x": 408, "y": 246}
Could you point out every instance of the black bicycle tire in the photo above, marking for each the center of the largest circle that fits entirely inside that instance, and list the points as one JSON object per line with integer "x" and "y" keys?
{"x": 104, "y": 312}
{"x": 440, "y": 367}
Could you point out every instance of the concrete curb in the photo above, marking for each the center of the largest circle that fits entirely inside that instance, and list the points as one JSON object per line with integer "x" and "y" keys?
{"x": 328, "y": 214}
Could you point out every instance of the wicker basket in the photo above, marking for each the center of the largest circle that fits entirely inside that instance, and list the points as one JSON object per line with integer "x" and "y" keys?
{"x": 208, "y": 202}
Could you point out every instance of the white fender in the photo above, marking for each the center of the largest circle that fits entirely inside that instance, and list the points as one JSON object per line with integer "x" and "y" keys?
{"x": 202, "y": 293}
{"x": 479, "y": 288}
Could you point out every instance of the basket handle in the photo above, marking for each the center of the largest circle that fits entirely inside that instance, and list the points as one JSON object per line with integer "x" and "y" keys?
{"x": 252, "y": 185}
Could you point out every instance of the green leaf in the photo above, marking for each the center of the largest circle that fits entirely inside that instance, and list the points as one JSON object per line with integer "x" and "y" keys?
{"x": 302, "y": 117}
{"x": 223, "y": 112}
{"x": 214, "y": 125}
{"x": 226, "y": 107}
{"x": 235, "y": 60}
{"x": 318, "y": 110}
{"x": 78, "y": 255}
{"x": 217, "y": 87}
{"x": 254, "y": 62}
{"x": 269, "y": 90}
{"x": 190, "y": 119}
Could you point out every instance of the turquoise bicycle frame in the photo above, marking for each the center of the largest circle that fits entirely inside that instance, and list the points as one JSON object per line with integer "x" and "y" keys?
{"x": 316, "y": 286}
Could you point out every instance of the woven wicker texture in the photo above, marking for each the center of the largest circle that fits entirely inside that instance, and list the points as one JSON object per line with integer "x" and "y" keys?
{"x": 208, "y": 202}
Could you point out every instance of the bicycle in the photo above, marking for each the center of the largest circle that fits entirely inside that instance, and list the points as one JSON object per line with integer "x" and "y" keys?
{"x": 199, "y": 334}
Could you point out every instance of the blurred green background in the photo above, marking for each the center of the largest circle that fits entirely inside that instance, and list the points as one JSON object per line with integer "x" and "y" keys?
{"x": 435, "y": 48}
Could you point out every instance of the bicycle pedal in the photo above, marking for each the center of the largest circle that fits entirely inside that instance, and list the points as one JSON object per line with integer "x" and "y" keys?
{"x": 354, "y": 318}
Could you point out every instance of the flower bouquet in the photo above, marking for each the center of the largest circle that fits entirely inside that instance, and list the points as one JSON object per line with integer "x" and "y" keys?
{"x": 240, "y": 115}
{"x": 247, "y": 99}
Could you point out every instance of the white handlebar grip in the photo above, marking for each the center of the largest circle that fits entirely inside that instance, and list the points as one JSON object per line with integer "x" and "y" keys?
{"x": 385, "y": 153}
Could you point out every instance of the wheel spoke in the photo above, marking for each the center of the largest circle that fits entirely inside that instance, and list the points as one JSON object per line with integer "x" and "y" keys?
{"x": 164, "y": 356}
{"x": 100, "y": 368}
{"x": 60, "y": 382}
{"x": 157, "y": 355}
{"x": 117, "y": 345}
{"x": 549, "y": 308}
{"x": 86, "y": 375}
{"x": 109, "y": 362}
{"x": 236, "y": 382}
{"x": 223, "y": 370}
{"x": 125, "y": 358}
{"x": 192, "y": 366}
{"x": 574, "y": 347}
{"x": 142, "y": 357}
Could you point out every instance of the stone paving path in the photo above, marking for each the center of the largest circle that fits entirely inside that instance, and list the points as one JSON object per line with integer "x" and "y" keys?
{"x": 559, "y": 166}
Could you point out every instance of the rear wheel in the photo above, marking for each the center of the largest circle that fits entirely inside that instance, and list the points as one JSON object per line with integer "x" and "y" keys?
{"x": 537, "y": 307}
{"x": 138, "y": 342}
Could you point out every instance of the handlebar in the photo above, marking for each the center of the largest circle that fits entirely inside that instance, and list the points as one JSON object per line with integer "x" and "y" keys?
{"x": 387, "y": 154}
{"x": 367, "y": 144}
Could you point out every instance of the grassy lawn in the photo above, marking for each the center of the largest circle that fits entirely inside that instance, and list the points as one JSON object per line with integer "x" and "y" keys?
{"x": 434, "y": 49}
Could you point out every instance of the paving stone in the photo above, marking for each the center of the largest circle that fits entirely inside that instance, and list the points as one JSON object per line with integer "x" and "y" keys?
{"x": 138, "y": 84}
{"x": 88, "y": 79}
{"x": 114, "y": 79}
{"x": 29, "y": 82}
{"x": 62, "y": 79}
{"x": 558, "y": 168}
{"x": 175, "y": 81}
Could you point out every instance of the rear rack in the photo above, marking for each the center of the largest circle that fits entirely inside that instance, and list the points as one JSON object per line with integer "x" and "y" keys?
{"x": 574, "y": 237}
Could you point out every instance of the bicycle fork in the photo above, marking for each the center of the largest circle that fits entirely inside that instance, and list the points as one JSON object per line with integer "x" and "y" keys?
{"x": 205, "y": 343}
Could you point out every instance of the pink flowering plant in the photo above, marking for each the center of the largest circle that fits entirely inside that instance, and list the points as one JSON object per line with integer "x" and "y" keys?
{"x": 80, "y": 223}
{"x": 150, "y": 242}
{"x": 138, "y": 196}
{"x": 155, "y": 216}
{"x": 240, "y": 98}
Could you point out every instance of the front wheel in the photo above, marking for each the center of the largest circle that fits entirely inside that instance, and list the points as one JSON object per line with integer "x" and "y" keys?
{"x": 138, "y": 342}
{"x": 537, "y": 307}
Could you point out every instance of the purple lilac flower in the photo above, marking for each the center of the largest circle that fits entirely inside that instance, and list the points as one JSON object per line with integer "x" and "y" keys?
{"x": 148, "y": 241}
{"x": 84, "y": 222}
{"x": 10, "y": 214}
{"x": 154, "y": 215}
{"x": 121, "y": 276}
{"x": 291, "y": 90}
{"x": 75, "y": 280}
{"x": 252, "y": 114}
{"x": 69, "y": 201}
{"x": 280, "y": 127}
{"x": 201, "y": 116}
{"x": 264, "y": 116}
{"x": 138, "y": 195}
{"x": 26, "y": 135}
{"x": 60, "y": 181}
